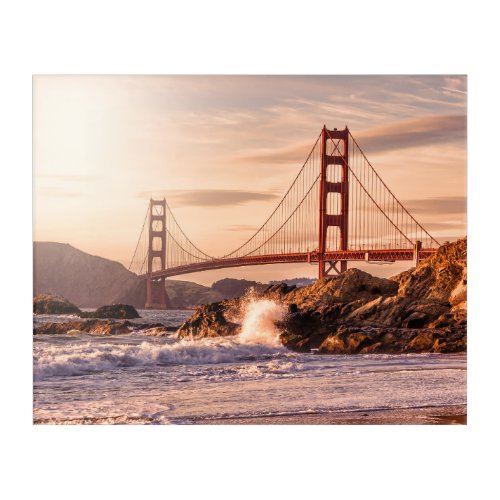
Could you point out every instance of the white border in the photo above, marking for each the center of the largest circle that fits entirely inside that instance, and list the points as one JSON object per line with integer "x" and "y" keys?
{"x": 262, "y": 37}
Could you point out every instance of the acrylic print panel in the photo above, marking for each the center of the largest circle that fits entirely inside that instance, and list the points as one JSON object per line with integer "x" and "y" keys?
{"x": 250, "y": 249}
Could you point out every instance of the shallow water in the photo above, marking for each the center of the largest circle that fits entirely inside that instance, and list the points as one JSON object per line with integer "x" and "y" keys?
{"x": 138, "y": 379}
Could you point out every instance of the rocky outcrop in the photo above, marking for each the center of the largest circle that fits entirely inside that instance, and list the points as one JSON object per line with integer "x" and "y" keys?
{"x": 353, "y": 285}
{"x": 90, "y": 326}
{"x": 420, "y": 310}
{"x": 209, "y": 321}
{"x": 53, "y": 304}
{"x": 115, "y": 311}
{"x": 102, "y": 327}
{"x": 368, "y": 340}
{"x": 440, "y": 278}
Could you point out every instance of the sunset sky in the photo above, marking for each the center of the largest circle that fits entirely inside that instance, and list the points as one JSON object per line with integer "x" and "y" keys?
{"x": 224, "y": 149}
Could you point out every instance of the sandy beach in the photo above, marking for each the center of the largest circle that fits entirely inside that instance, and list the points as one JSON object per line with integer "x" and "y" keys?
{"x": 445, "y": 415}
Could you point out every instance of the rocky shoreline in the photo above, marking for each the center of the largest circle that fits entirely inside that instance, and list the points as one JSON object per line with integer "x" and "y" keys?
{"x": 56, "y": 305}
{"x": 103, "y": 327}
{"x": 106, "y": 320}
{"x": 420, "y": 310}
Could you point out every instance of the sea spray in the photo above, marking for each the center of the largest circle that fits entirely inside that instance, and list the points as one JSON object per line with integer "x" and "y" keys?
{"x": 259, "y": 322}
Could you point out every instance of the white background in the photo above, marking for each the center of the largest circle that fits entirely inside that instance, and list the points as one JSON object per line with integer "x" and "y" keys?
{"x": 383, "y": 37}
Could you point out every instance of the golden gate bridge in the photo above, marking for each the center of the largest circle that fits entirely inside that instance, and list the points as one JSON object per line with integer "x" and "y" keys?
{"x": 337, "y": 209}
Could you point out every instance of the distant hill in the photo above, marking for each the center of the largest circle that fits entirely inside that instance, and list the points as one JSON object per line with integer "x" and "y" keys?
{"x": 230, "y": 288}
{"x": 85, "y": 280}
{"x": 187, "y": 295}
{"x": 296, "y": 281}
{"x": 180, "y": 294}
{"x": 90, "y": 281}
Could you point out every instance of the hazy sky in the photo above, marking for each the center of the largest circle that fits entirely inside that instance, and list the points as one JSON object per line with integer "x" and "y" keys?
{"x": 224, "y": 149}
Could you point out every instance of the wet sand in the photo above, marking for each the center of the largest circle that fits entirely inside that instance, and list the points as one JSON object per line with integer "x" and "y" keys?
{"x": 445, "y": 415}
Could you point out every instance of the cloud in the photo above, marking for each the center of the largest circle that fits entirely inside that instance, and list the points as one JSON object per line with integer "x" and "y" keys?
{"x": 213, "y": 197}
{"x": 415, "y": 132}
{"x": 438, "y": 206}
{"x": 295, "y": 154}
{"x": 398, "y": 135}
{"x": 463, "y": 92}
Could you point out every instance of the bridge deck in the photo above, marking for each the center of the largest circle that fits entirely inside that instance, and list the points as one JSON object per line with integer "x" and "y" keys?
{"x": 390, "y": 255}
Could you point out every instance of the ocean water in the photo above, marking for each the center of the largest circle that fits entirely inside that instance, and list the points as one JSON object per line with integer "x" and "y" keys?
{"x": 138, "y": 379}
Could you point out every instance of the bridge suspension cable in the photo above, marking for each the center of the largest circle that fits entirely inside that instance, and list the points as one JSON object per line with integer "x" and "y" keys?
{"x": 138, "y": 260}
{"x": 376, "y": 219}
{"x": 292, "y": 224}
{"x": 180, "y": 249}
{"x": 362, "y": 215}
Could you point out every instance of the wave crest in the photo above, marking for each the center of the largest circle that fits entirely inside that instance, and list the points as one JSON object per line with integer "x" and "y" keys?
{"x": 89, "y": 357}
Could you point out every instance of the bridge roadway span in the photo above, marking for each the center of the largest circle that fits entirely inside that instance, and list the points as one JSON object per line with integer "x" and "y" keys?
{"x": 309, "y": 257}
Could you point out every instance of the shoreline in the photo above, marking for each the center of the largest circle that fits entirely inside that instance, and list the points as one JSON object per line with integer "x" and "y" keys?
{"x": 435, "y": 415}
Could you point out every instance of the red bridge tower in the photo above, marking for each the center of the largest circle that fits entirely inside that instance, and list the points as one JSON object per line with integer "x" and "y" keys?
{"x": 156, "y": 297}
{"x": 340, "y": 140}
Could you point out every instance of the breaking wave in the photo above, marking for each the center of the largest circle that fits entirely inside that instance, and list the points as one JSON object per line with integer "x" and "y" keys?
{"x": 259, "y": 339}
{"x": 81, "y": 359}
{"x": 259, "y": 322}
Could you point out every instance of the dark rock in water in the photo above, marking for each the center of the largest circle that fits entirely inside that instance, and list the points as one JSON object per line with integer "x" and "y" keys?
{"x": 115, "y": 311}
{"x": 155, "y": 329}
{"x": 53, "y": 304}
{"x": 208, "y": 321}
{"x": 90, "y": 326}
{"x": 103, "y": 327}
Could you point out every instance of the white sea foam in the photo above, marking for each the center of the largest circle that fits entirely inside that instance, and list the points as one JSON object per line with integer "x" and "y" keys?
{"x": 259, "y": 337}
{"x": 81, "y": 359}
{"x": 136, "y": 379}
{"x": 259, "y": 322}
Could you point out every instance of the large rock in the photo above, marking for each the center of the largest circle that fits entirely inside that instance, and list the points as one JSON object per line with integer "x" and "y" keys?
{"x": 115, "y": 311}
{"x": 103, "y": 327}
{"x": 90, "y": 326}
{"x": 353, "y": 285}
{"x": 397, "y": 311}
{"x": 343, "y": 342}
{"x": 442, "y": 277}
{"x": 53, "y": 304}
{"x": 422, "y": 342}
{"x": 420, "y": 310}
{"x": 208, "y": 321}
